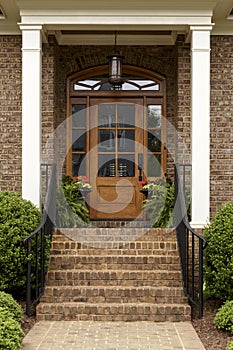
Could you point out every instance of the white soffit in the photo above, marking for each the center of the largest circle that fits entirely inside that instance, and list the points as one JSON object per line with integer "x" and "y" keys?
{"x": 123, "y": 37}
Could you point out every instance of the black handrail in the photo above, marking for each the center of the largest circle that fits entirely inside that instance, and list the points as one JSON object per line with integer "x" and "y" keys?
{"x": 37, "y": 242}
{"x": 191, "y": 244}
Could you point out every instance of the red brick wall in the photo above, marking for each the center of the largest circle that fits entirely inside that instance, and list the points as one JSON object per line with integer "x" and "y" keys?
{"x": 221, "y": 117}
{"x": 183, "y": 106}
{"x": 10, "y": 113}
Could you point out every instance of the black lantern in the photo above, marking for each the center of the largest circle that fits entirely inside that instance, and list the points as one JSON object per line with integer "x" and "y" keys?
{"x": 115, "y": 69}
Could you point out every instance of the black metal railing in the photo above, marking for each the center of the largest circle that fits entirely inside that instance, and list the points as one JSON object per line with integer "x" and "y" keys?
{"x": 38, "y": 243}
{"x": 191, "y": 244}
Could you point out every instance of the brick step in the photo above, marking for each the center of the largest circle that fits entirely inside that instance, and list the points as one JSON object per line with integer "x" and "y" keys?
{"x": 113, "y": 247}
{"x": 120, "y": 251}
{"x": 116, "y": 234}
{"x": 113, "y": 312}
{"x": 134, "y": 278}
{"x": 113, "y": 294}
{"x": 125, "y": 262}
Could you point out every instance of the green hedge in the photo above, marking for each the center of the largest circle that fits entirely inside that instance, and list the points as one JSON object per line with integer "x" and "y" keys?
{"x": 18, "y": 218}
{"x": 9, "y": 303}
{"x": 230, "y": 346}
{"x": 224, "y": 317}
{"x": 218, "y": 256}
{"x": 11, "y": 333}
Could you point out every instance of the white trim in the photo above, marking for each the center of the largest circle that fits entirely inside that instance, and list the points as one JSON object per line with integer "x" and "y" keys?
{"x": 31, "y": 113}
{"x": 115, "y": 20}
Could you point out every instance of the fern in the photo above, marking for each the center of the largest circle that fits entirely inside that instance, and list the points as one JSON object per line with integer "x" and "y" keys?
{"x": 160, "y": 203}
{"x": 71, "y": 207}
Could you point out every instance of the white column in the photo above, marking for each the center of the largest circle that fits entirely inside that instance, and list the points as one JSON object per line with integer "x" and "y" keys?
{"x": 200, "y": 96}
{"x": 31, "y": 112}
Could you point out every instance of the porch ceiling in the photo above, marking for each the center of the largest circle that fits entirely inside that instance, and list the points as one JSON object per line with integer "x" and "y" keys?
{"x": 141, "y": 22}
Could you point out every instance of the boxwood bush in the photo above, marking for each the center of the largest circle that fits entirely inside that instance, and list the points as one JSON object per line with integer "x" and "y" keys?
{"x": 218, "y": 257}
{"x": 224, "y": 317}
{"x": 10, "y": 304}
{"x": 18, "y": 218}
{"x": 230, "y": 346}
{"x": 11, "y": 334}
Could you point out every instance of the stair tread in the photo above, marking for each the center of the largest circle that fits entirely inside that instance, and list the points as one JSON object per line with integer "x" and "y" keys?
{"x": 114, "y": 256}
{"x": 112, "y": 271}
{"x": 72, "y": 303}
{"x": 118, "y": 287}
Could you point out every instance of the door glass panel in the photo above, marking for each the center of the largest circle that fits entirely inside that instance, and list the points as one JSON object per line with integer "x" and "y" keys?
{"x": 106, "y": 141}
{"x": 106, "y": 165}
{"x": 79, "y": 116}
{"x": 154, "y": 165}
{"x": 126, "y": 115}
{"x": 78, "y": 164}
{"x": 78, "y": 141}
{"x": 126, "y": 165}
{"x": 126, "y": 140}
{"x": 154, "y": 116}
{"x": 107, "y": 115}
{"x": 154, "y": 141}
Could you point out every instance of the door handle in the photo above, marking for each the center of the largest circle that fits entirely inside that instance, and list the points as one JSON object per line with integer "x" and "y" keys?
{"x": 140, "y": 161}
{"x": 140, "y": 165}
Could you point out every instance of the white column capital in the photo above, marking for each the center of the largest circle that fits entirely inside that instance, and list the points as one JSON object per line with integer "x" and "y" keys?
{"x": 30, "y": 26}
{"x": 202, "y": 28}
{"x": 34, "y": 28}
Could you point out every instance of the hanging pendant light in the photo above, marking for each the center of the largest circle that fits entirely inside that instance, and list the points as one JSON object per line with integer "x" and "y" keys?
{"x": 115, "y": 68}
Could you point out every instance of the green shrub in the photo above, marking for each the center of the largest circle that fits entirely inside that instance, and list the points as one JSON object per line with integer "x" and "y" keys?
{"x": 18, "y": 218}
{"x": 11, "y": 334}
{"x": 224, "y": 317}
{"x": 218, "y": 256}
{"x": 160, "y": 203}
{"x": 230, "y": 346}
{"x": 9, "y": 303}
{"x": 71, "y": 208}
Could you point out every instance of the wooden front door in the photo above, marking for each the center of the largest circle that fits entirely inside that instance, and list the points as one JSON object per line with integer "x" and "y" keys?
{"x": 116, "y": 138}
{"x": 116, "y": 145}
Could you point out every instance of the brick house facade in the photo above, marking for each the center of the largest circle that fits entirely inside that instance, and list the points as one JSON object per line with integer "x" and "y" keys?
{"x": 174, "y": 62}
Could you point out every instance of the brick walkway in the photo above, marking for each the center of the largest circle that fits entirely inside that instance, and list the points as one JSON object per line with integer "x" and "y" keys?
{"x": 89, "y": 335}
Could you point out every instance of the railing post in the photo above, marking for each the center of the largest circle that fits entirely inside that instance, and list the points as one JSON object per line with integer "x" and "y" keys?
{"x": 28, "y": 290}
{"x": 201, "y": 279}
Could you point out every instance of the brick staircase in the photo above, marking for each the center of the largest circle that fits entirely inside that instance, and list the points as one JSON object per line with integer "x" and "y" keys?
{"x": 114, "y": 274}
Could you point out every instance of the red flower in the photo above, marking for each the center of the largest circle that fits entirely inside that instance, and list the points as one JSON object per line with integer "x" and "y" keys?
{"x": 143, "y": 183}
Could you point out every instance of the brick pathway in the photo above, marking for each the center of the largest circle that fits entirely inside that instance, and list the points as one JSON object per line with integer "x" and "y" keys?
{"x": 89, "y": 335}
